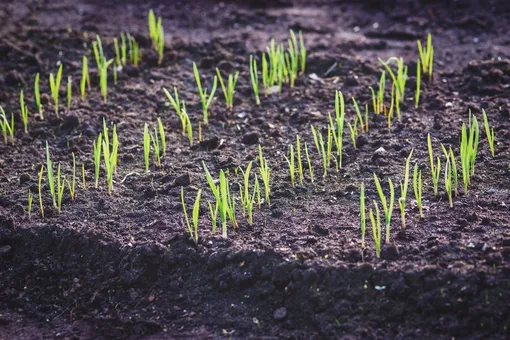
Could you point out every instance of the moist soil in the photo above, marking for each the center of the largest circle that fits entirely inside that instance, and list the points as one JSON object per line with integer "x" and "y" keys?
{"x": 123, "y": 266}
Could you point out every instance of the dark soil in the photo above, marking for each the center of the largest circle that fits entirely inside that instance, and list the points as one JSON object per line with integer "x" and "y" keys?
{"x": 123, "y": 266}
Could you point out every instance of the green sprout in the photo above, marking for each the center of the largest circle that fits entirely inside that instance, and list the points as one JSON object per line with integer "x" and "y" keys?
{"x": 354, "y": 133}
{"x": 265, "y": 173}
{"x": 60, "y": 189}
{"x": 72, "y": 184}
{"x": 426, "y": 56}
{"x": 193, "y": 232}
{"x": 468, "y": 151}
{"x": 228, "y": 91}
{"x": 214, "y": 215}
{"x": 292, "y": 59}
{"x": 417, "y": 186}
{"x": 69, "y": 92}
{"x": 157, "y": 34}
{"x": 83, "y": 182}
{"x": 363, "y": 125}
{"x": 256, "y": 190}
{"x": 403, "y": 191}
{"x": 174, "y": 101}
{"x": 135, "y": 55}
{"x": 489, "y": 132}
{"x": 299, "y": 162}
{"x": 55, "y": 87}
{"x": 376, "y": 229}
{"x": 85, "y": 78}
{"x": 97, "y": 47}
{"x": 453, "y": 164}
{"x": 244, "y": 188}
{"x": 310, "y": 168}
{"x": 51, "y": 181}
{"x": 224, "y": 205}
{"x": 362, "y": 214}
{"x": 24, "y": 111}
{"x": 41, "y": 208}
{"x": 254, "y": 79}
{"x": 156, "y": 147}
{"x": 30, "y": 200}
{"x": 37, "y": 95}
{"x": 378, "y": 100}
{"x": 387, "y": 208}
{"x": 123, "y": 49}
{"x": 110, "y": 156}
{"x": 302, "y": 50}
{"x": 206, "y": 99}
{"x": 6, "y": 126}
{"x": 292, "y": 167}
{"x": 117, "y": 51}
{"x": 162, "y": 137}
{"x": 319, "y": 145}
{"x": 186, "y": 124}
{"x": 400, "y": 78}
{"x": 418, "y": 84}
{"x": 340, "y": 117}
{"x": 97, "y": 157}
{"x": 448, "y": 181}
{"x": 434, "y": 170}
{"x": 103, "y": 79}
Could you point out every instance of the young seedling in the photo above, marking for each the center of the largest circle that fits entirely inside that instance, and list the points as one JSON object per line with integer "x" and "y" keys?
{"x": 434, "y": 170}
{"x": 426, "y": 56}
{"x": 117, "y": 51}
{"x": 418, "y": 84}
{"x": 400, "y": 78}
{"x": 69, "y": 92}
{"x": 468, "y": 151}
{"x": 302, "y": 50}
{"x": 146, "y": 146}
{"x": 24, "y": 111}
{"x": 292, "y": 59}
{"x": 51, "y": 181}
{"x": 417, "y": 186}
{"x": 97, "y": 157}
{"x": 55, "y": 87}
{"x": 162, "y": 137}
{"x": 489, "y": 132}
{"x": 72, "y": 184}
{"x": 103, "y": 79}
{"x": 110, "y": 156}
{"x": 135, "y": 54}
{"x": 214, "y": 215}
{"x": 157, "y": 34}
{"x": 403, "y": 191}
{"x": 448, "y": 181}
{"x": 363, "y": 125}
{"x": 156, "y": 147}
{"x": 244, "y": 189}
{"x": 41, "y": 208}
{"x": 85, "y": 78}
{"x": 60, "y": 189}
{"x": 193, "y": 232}
{"x": 174, "y": 101}
{"x": 6, "y": 126}
{"x": 310, "y": 168}
{"x": 292, "y": 168}
{"x": 123, "y": 49}
{"x": 362, "y": 214}
{"x": 30, "y": 200}
{"x": 254, "y": 79}
{"x": 376, "y": 229}
{"x": 340, "y": 117}
{"x": 37, "y": 95}
{"x": 204, "y": 97}
{"x": 228, "y": 91}
{"x": 265, "y": 173}
{"x": 378, "y": 100}
{"x": 387, "y": 208}
{"x": 354, "y": 132}
{"x": 186, "y": 124}
{"x": 299, "y": 162}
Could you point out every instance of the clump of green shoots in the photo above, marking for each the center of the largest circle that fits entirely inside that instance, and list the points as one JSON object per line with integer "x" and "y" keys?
{"x": 254, "y": 79}
{"x": 228, "y": 91}
{"x": 37, "y": 96}
{"x": 418, "y": 187}
{"x": 376, "y": 229}
{"x": 110, "y": 155}
{"x": 265, "y": 173}
{"x": 135, "y": 55}
{"x": 403, "y": 191}
{"x": 362, "y": 214}
{"x": 24, "y": 111}
{"x": 489, "y": 132}
{"x": 204, "y": 97}
{"x": 340, "y": 118}
{"x": 468, "y": 151}
{"x": 55, "y": 87}
{"x": 399, "y": 79}
{"x": 193, "y": 231}
{"x": 426, "y": 55}
{"x": 85, "y": 78}
{"x": 6, "y": 126}
{"x": 157, "y": 34}
{"x": 387, "y": 208}
{"x": 378, "y": 99}
{"x": 434, "y": 170}
{"x": 102, "y": 66}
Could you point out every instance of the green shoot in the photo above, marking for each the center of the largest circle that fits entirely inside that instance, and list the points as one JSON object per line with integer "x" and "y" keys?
{"x": 292, "y": 59}
{"x": 319, "y": 145}
{"x": 24, "y": 111}
{"x": 69, "y": 92}
{"x": 417, "y": 186}
{"x": 37, "y": 95}
{"x": 51, "y": 181}
{"x": 292, "y": 169}
{"x": 228, "y": 91}
{"x": 110, "y": 156}
{"x": 256, "y": 189}
{"x": 418, "y": 84}
{"x": 55, "y": 87}
{"x": 434, "y": 170}
{"x": 161, "y": 41}
{"x": 103, "y": 79}
{"x": 244, "y": 194}
{"x": 146, "y": 146}
{"x": 97, "y": 157}
{"x": 354, "y": 133}
{"x": 489, "y": 132}
{"x": 453, "y": 164}
{"x": 340, "y": 117}
{"x": 162, "y": 137}
{"x": 468, "y": 151}
{"x": 41, "y": 208}
{"x": 72, "y": 185}
{"x": 376, "y": 229}
{"x": 265, "y": 173}
{"x": 155, "y": 144}
{"x": 6, "y": 127}
{"x": 60, "y": 189}
{"x": 135, "y": 54}
{"x": 174, "y": 101}
{"x": 448, "y": 181}
{"x": 302, "y": 49}
{"x": 378, "y": 100}
{"x": 193, "y": 232}
{"x": 117, "y": 51}
{"x": 363, "y": 125}
{"x": 362, "y": 214}
{"x": 309, "y": 163}
{"x": 403, "y": 191}
{"x": 186, "y": 124}
{"x": 85, "y": 78}
{"x": 204, "y": 97}
{"x": 426, "y": 56}
{"x": 223, "y": 203}
{"x": 400, "y": 78}
{"x": 123, "y": 49}
{"x": 97, "y": 47}
{"x": 157, "y": 34}
{"x": 153, "y": 28}
{"x": 299, "y": 162}
{"x": 30, "y": 200}
{"x": 214, "y": 215}
{"x": 387, "y": 208}
{"x": 254, "y": 79}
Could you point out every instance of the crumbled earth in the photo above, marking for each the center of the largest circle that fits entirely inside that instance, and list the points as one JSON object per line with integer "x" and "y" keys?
{"x": 124, "y": 266}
